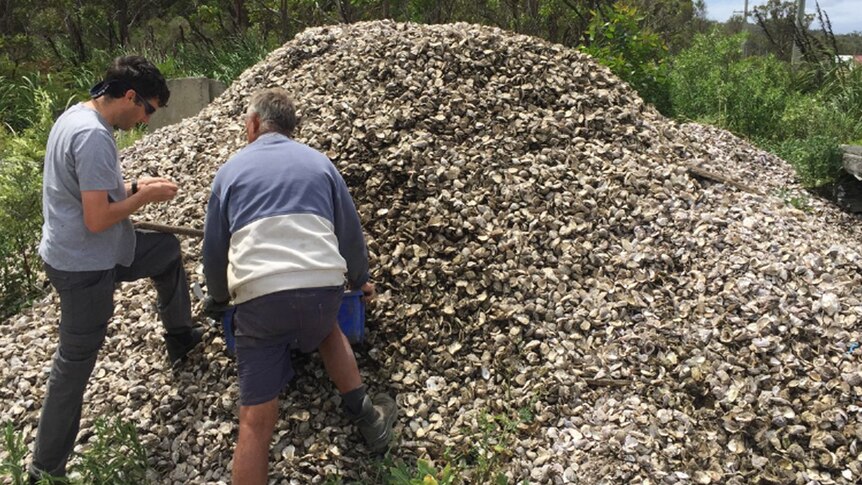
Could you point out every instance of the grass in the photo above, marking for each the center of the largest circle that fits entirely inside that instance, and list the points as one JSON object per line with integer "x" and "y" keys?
{"x": 12, "y": 463}
{"x": 493, "y": 439}
{"x": 127, "y": 138}
{"x": 114, "y": 455}
{"x": 798, "y": 200}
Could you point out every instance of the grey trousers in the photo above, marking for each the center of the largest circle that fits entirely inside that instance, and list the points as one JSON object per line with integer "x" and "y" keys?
{"x": 86, "y": 306}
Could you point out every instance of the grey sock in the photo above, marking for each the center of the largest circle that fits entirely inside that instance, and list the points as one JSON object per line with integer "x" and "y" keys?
{"x": 353, "y": 400}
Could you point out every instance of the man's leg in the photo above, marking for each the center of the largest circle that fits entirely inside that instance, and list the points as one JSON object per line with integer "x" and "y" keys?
{"x": 158, "y": 256}
{"x": 86, "y": 305}
{"x": 339, "y": 361}
{"x": 374, "y": 419}
{"x": 251, "y": 456}
{"x": 263, "y": 372}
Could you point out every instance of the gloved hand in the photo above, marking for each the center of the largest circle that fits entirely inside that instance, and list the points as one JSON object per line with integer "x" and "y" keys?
{"x": 215, "y": 309}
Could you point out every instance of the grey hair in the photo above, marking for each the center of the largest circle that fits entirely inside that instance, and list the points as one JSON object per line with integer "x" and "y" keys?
{"x": 276, "y": 110}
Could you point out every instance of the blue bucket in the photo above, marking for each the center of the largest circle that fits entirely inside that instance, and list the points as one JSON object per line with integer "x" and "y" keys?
{"x": 351, "y": 319}
{"x": 351, "y": 316}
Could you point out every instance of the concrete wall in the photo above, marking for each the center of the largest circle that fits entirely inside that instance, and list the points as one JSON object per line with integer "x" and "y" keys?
{"x": 853, "y": 160}
{"x": 188, "y": 97}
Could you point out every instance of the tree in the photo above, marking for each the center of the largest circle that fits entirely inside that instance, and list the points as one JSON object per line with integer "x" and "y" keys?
{"x": 849, "y": 44}
{"x": 619, "y": 40}
{"x": 777, "y": 20}
{"x": 675, "y": 21}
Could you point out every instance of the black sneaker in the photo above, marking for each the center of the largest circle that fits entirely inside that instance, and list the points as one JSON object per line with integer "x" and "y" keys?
{"x": 375, "y": 421}
{"x": 179, "y": 345}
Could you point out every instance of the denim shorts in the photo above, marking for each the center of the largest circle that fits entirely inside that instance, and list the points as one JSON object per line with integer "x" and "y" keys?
{"x": 270, "y": 327}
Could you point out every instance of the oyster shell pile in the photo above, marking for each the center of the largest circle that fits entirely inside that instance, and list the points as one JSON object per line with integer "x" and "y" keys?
{"x": 543, "y": 253}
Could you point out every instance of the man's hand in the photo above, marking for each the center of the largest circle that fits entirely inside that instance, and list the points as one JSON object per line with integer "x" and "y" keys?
{"x": 215, "y": 309}
{"x": 157, "y": 190}
{"x": 151, "y": 180}
{"x": 143, "y": 181}
{"x": 368, "y": 292}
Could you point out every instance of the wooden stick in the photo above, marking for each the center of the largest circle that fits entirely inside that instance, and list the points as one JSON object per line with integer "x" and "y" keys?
{"x": 185, "y": 231}
{"x": 607, "y": 382}
{"x": 716, "y": 177}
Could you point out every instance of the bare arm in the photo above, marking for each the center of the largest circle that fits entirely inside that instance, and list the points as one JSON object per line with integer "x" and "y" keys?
{"x": 144, "y": 181}
{"x": 100, "y": 213}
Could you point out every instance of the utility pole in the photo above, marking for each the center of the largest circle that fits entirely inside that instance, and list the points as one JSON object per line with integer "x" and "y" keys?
{"x": 747, "y": 30}
{"x": 796, "y": 56}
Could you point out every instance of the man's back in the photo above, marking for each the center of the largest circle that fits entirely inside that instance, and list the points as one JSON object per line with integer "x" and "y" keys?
{"x": 288, "y": 220}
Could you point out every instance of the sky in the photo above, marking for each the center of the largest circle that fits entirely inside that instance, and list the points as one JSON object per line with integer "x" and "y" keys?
{"x": 845, "y": 15}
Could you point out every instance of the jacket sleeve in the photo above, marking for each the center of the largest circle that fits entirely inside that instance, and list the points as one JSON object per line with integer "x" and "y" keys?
{"x": 215, "y": 249}
{"x": 348, "y": 230}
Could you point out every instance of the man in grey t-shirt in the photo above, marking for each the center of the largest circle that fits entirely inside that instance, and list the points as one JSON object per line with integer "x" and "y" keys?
{"x": 88, "y": 245}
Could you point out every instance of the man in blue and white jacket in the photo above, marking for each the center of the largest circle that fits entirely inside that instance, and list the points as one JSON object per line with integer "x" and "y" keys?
{"x": 281, "y": 233}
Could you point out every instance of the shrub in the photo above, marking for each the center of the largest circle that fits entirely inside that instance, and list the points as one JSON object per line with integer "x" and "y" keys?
{"x": 22, "y": 99}
{"x": 424, "y": 474}
{"x": 755, "y": 96}
{"x": 20, "y": 204}
{"x": 711, "y": 82}
{"x": 632, "y": 52}
{"x": 816, "y": 159}
{"x": 698, "y": 74}
{"x": 12, "y": 465}
{"x": 843, "y": 89}
{"x": 114, "y": 455}
{"x": 807, "y": 115}
{"x": 224, "y": 61}
{"x": 20, "y": 225}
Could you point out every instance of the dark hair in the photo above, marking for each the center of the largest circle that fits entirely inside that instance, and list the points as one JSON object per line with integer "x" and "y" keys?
{"x": 135, "y": 72}
{"x": 276, "y": 110}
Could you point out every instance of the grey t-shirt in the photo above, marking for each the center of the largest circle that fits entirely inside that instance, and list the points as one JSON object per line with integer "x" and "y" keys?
{"x": 82, "y": 155}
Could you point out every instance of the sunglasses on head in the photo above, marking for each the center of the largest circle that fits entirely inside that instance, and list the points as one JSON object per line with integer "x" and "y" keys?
{"x": 117, "y": 88}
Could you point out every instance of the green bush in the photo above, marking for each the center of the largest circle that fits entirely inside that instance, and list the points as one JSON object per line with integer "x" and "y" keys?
{"x": 224, "y": 61}
{"x": 20, "y": 226}
{"x": 22, "y": 99}
{"x": 711, "y": 82}
{"x": 22, "y": 155}
{"x": 698, "y": 75}
{"x": 12, "y": 465}
{"x": 816, "y": 159}
{"x": 843, "y": 89}
{"x": 399, "y": 473}
{"x": 632, "y": 52}
{"x": 809, "y": 115}
{"x": 114, "y": 455}
{"x": 755, "y": 96}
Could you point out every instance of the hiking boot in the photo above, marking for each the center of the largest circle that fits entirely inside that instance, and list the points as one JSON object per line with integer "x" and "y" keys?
{"x": 375, "y": 421}
{"x": 179, "y": 345}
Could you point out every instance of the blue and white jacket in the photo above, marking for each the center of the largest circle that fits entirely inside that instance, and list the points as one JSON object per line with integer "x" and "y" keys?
{"x": 280, "y": 217}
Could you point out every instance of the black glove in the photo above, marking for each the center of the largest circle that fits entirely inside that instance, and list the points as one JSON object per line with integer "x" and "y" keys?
{"x": 215, "y": 309}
